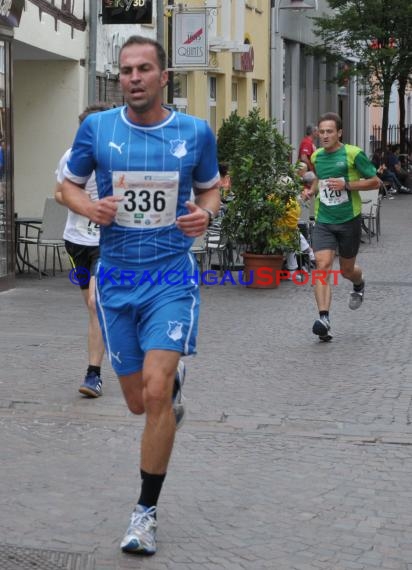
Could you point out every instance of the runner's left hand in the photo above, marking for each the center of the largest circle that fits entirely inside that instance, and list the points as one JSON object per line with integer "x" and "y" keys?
{"x": 195, "y": 223}
{"x": 336, "y": 184}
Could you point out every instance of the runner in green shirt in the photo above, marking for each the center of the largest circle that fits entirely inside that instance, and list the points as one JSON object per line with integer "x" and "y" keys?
{"x": 342, "y": 170}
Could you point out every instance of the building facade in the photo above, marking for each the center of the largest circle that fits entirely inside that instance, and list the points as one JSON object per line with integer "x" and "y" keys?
{"x": 301, "y": 84}
{"x": 62, "y": 55}
{"x": 234, "y": 74}
{"x": 6, "y": 160}
{"x": 50, "y": 87}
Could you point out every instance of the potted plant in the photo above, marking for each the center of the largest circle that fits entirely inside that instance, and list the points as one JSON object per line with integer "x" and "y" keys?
{"x": 265, "y": 189}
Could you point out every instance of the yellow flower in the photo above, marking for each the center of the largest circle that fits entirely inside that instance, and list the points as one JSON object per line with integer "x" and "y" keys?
{"x": 292, "y": 216}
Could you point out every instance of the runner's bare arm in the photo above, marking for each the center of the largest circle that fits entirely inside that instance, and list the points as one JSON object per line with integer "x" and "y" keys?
{"x": 101, "y": 211}
{"x": 195, "y": 223}
{"x": 363, "y": 184}
{"x": 308, "y": 193}
{"x": 58, "y": 193}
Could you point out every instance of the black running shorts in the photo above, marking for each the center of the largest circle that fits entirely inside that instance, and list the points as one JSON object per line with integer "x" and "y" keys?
{"x": 83, "y": 256}
{"x": 344, "y": 237}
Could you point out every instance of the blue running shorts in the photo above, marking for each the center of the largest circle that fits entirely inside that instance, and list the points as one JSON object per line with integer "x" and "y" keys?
{"x": 156, "y": 308}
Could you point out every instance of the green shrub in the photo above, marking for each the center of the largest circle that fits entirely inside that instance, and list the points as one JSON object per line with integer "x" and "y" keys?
{"x": 264, "y": 184}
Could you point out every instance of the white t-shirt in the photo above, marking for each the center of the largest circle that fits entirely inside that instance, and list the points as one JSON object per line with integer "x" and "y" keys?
{"x": 79, "y": 229}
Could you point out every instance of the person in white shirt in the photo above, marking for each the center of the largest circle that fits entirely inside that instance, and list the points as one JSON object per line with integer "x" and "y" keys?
{"x": 82, "y": 237}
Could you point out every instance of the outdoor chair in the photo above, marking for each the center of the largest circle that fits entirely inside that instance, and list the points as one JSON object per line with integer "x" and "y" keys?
{"x": 47, "y": 235}
{"x": 217, "y": 243}
{"x": 371, "y": 204}
{"x": 199, "y": 250}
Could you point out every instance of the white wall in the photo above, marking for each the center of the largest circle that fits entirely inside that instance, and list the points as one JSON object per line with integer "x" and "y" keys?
{"x": 49, "y": 92}
{"x": 46, "y": 112}
{"x": 42, "y": 34}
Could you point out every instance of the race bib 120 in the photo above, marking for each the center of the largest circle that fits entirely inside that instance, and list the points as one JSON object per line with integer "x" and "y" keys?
{"x": 331, "y": 197}
{"x": 87, "y": 228}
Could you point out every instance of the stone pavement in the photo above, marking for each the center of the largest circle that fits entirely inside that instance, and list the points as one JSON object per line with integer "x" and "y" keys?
{"x": 295, "y": 455}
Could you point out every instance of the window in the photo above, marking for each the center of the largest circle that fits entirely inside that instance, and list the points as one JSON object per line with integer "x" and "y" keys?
{"x": 2, "y": 56}
{"x": 180, "y": 92}
{"x": 6, "y": 199}
{"x": 255, "y": 93}
{"x": 234, "y": 106}
{"x": 180, "y": 85}
{"x": 212, "y": 88}
{"x": 212, "y": 102}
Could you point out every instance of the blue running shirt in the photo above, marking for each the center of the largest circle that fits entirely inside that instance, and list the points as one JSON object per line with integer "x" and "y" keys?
{"x": 154, "y": 167}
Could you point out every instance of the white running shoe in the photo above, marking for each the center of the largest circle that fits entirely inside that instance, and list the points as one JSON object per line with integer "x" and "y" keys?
{"x": 140, "y": 537}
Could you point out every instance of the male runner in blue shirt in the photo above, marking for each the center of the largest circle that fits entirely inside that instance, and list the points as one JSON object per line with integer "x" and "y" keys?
{"x": 147, "y": 158}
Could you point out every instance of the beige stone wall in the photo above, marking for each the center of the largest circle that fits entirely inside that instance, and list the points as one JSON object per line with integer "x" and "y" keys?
{"x": 256, "y": 32}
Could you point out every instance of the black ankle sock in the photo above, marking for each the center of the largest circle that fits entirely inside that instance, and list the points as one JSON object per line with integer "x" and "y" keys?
{"x": 324, "y": 314}
{"x": 176, "y": 387}
{"x": 95, "y": 369}
{"x": 151, "y": 487}
{"x": 360, "y": 287}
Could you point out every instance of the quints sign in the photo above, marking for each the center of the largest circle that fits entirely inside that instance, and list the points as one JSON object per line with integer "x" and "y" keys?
{"x": 190, "y": 40}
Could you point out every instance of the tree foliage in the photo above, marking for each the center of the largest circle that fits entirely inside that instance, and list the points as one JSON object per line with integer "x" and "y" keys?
{"x": 375, "y": 35}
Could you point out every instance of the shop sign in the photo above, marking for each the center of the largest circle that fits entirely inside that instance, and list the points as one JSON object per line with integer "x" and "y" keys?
{"x": 10, "y": 12}
{"x": 244, "y": 61}
{"x": 190, "y": 47}
{"x": 127, "y": 11}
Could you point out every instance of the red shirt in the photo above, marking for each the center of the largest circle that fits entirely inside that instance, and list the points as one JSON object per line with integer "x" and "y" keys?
{"x": 307, "y": 148}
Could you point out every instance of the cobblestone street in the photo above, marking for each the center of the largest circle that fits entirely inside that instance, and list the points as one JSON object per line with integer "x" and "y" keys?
{"x": 295, "y": 455}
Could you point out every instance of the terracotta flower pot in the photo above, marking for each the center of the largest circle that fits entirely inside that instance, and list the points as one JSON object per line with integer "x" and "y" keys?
{"x": 262, "y": 271}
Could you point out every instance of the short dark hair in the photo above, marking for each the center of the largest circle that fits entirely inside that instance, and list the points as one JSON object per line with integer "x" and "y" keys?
{"x": 331, "y": 117}
{"x": 141, "y": 41}
{"x": 95, "y": 108}
{"x": 310, "y": 129}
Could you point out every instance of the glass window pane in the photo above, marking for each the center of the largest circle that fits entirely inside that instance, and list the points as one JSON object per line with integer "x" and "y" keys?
{"x": 212, "y": 118}
{"x": 180, "y": 85}
{"x": 255, "y": 92}
{"x": 5, "y": 241}
{"x": 212, "y": 88}
{"x": 234, "y": 92}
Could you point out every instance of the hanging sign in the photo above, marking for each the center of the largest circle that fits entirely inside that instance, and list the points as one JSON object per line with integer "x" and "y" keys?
{"x": 127, "y": 11}
{"x": 244, "y": 61}
{"x": 190, "y": 47}
{"x": 10, "y": 12}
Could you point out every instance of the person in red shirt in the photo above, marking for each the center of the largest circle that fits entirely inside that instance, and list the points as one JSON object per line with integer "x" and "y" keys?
{"x": 307, "y": 146}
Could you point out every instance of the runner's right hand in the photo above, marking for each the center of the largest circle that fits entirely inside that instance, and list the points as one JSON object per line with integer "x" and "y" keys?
{"x": 104, "y": 211}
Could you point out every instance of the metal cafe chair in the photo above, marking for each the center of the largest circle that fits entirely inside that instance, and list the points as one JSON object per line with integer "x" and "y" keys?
{"x": 199, "y": 250}
{"x": 217, "y": 243}
{"x": 48, "y": 235}
{"x": 371, "y": 204}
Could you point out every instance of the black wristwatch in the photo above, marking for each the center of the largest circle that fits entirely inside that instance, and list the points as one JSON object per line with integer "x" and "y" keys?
{"x": 347, "y": 187}
{"x": 210, "y": 214}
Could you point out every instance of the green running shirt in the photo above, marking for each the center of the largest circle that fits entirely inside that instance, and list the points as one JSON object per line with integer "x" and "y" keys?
{"x": 348, "y": 162}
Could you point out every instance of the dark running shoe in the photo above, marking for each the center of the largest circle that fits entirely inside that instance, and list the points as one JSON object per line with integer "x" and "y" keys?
{"x": 179, "y": 408}
{"x": 92, "y": 386}
{"x": 356, "y": 298}
{"x": 321, "y": 327}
